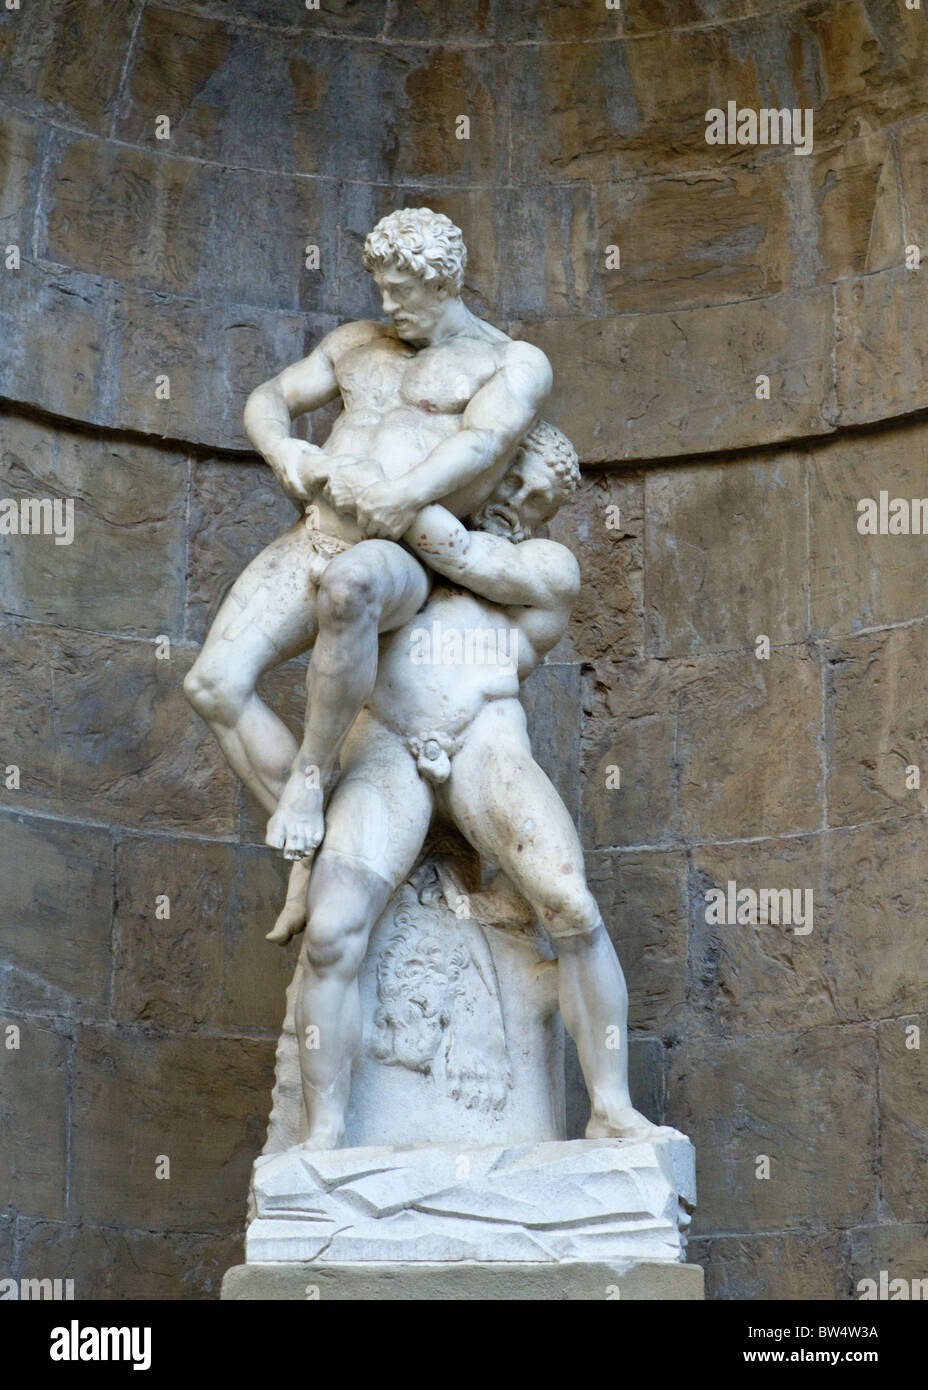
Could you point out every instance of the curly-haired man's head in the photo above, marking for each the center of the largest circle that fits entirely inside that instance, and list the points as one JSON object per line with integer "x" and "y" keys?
{"x": 543, "y": 473}
{"x": 425, "y": 243}
{"x": 417, "y": 257}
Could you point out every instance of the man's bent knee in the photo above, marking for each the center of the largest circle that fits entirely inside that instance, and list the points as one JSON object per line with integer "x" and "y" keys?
{"x": 349, "y": 592}
{"x": 215, "y": 699}
{"x": 334, "y": 944}
{"x": 571, "y": 915}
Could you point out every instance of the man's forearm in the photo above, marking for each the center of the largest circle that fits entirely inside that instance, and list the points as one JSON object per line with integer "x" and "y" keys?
{"x": 490, "y": 566}
{"x": 451, "y": 465}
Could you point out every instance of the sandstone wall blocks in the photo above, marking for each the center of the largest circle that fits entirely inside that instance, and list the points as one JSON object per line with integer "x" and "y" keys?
{"x": 150, "y": 220}
{"x": 766, "y": 976}
{"x": 643, "y": 900}
{"x": 55, "y": 917}
{"x": 606, "y": 109}
{"x": 727, "y": 704}
{"x": 893, "y": 1250}
{"x": 336, "y": 17}
{"x": 115, "y": 1263}
{"x": 629, "y": 731}
{"x": 66, "y": 61}
{"x": 53, "y": 324}
{"x": 190, "y": 950}
{"x": 912, "y": 146}
{"x": 604, "y": 526}
{"x": 552, "y": 698}
{"x": 34, "y": 1105}
{"x": 875, "y": 730}
{"x": 881, "y": 345}
{"x": 206, "y": 352}
{"x": 904, "y": 1126}
{"x": 21, "y": 141}
{"x": 87, "y": 577}
{"x": 307, "y": 81}
{"x": 762, "y": 1267}
{"x": 86, "y": 715}
{"x": 712, "y": 587}
{"x": 864, "y": 581}
{"x": 690, "y": 240}
{"x": 806, "y": 1101}
{"x": 702, "y": 365}
{"x": 235, "y": 509}
{"x": 139, "y": 1100}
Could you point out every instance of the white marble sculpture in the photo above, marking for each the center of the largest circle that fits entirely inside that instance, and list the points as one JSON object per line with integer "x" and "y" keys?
{"x": 418, "y": 580}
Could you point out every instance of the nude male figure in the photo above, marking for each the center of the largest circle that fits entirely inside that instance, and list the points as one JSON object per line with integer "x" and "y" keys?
{"x": 464, "y": 719}
{"x": 433, "y": 409}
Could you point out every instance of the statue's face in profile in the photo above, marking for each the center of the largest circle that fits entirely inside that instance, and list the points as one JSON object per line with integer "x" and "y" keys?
{"x": 522, "y": 500}
{"x": 414, "y": 305}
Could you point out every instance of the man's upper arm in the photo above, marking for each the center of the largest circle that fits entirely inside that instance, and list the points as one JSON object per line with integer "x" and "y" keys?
{"x": 508, "y": 404}
{"x": 544, "y": 622}
{"x": 312, "y": 382}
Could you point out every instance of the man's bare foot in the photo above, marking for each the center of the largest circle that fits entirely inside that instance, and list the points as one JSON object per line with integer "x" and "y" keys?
{"x": 292, "y": 918}
{"x": 297, "y": 826}
{"x": 624, "y": 1122}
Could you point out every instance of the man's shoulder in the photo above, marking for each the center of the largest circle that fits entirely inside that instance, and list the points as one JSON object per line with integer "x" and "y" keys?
{"x": 506, "y": 350}
{"x": 526, "y": 359}
{"x": 556, "y": 563}
{"x": 353, "y": 335}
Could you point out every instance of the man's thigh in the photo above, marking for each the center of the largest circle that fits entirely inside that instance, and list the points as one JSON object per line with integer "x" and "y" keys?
{"x": 381, "y": 808}
{"x": 272, "y": 604}
{"x": 511, "y": 812}
{"x": 395, "y": 578}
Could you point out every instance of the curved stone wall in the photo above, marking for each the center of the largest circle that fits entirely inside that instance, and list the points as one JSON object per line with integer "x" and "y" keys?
{"x": 143, "y": 1036}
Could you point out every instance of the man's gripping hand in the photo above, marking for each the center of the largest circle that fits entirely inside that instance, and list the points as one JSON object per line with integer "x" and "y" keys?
{"x": 383, "y": 510}
{"x": 348, "y": 479}
{"x": 300, "y": 467}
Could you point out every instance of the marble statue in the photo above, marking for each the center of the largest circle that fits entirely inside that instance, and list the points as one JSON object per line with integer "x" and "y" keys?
{"x": 418, "y": 579}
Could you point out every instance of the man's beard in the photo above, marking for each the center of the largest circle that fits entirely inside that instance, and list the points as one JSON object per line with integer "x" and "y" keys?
{"x": 499, "y": 520}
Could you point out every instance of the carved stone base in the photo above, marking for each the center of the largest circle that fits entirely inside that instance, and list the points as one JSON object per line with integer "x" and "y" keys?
{"x": 659, "y": 1280}
{"x": 587, "y": 1201}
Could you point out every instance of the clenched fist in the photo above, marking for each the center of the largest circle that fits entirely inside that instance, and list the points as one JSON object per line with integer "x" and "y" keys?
{"x": 348, "y": 479}
{"x": 383, "y": 511}
{"x": 299, "y": 467}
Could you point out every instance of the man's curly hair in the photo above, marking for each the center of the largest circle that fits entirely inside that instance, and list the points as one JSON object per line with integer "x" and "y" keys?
{"x": 425, "y": 243}
{"x": 553, "y": 446}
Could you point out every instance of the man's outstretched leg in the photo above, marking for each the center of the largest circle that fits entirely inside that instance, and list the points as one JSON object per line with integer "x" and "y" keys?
{"x": 378, "y": 819}
{"x": 374, "y": 587}
{"x": 509, "y": 810}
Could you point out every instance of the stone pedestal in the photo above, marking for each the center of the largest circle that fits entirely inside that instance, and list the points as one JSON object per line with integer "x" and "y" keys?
{"x": 644, "y": 1280}
{"x": 580, "y": 1200}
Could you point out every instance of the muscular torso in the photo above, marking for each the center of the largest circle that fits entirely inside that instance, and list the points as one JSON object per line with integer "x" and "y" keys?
{"x": 400, "y": 402}
{"x": 443, "y": 695}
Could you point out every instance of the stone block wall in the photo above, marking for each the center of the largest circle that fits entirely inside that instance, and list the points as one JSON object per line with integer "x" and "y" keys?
{"x": 707, "y": 519}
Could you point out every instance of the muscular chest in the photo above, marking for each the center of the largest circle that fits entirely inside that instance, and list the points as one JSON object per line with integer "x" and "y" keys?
{"x": 371, "y": 376}
{"x": 442, "y": 380}
{"x": 436, "y": 381}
